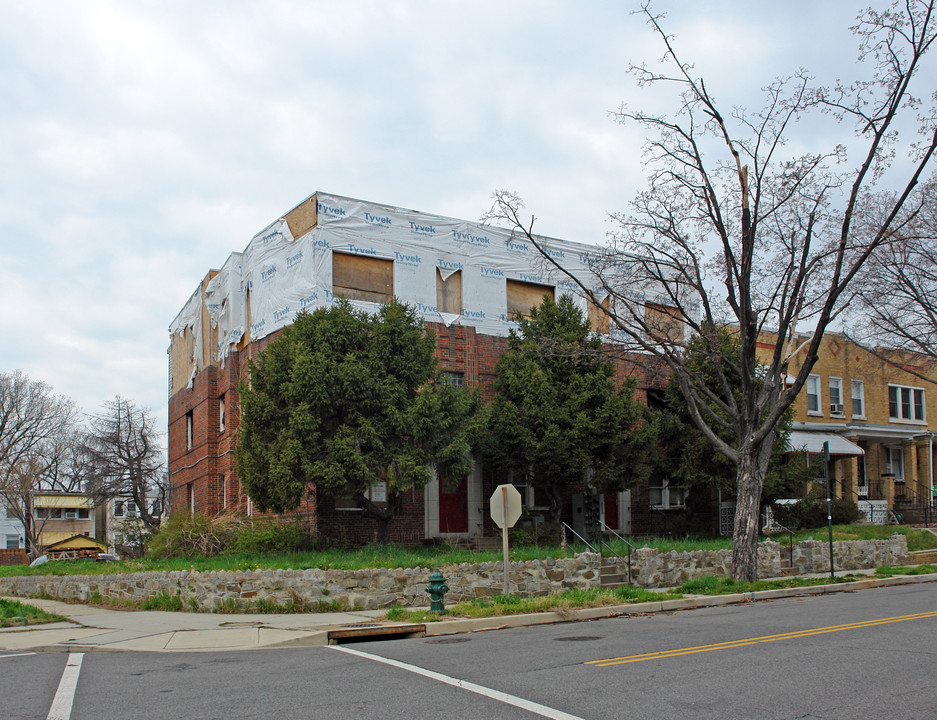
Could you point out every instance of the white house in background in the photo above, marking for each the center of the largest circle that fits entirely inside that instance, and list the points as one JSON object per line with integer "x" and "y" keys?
{"x": 12, "y": 533}
{"x": 123, "y": 521}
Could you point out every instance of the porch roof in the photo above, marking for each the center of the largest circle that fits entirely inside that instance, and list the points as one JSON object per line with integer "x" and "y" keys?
{"x": 812, "y": 442}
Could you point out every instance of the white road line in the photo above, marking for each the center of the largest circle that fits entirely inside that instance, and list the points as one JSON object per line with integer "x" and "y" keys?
{"x": 528, "y": 705}
{"x": 4, "y": 657}
{"x": 64, "y": 697}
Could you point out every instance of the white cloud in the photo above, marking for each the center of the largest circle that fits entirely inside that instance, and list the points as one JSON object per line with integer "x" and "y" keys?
{"x": 148, "y": 140}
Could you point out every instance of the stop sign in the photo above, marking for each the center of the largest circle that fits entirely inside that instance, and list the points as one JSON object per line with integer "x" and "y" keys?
{"x": 505, "y": 505}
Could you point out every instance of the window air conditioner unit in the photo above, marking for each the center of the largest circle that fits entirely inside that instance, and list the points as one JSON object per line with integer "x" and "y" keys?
{"x": 71, "y": 514}
{"x": 836, "y": 409}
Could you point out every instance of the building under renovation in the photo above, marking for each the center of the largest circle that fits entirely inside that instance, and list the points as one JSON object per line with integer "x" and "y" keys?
{"x": 466, "y": 280}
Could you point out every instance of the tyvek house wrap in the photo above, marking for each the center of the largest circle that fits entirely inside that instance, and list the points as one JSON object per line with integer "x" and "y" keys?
{"x": 284, "y": 275}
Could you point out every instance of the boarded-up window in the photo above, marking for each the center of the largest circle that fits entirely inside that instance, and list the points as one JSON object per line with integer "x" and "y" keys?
{"x": 598, "y": 316}
{"x": 357, "y": 277}
{"x": 522, "y": 296}
{"x": 449, "y": 292}
{"x": 664, "y": 323}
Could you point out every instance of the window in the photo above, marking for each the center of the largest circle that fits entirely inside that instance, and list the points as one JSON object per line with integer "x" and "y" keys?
{"x": 119, "y": 508}
{"x": 522, "y": 296}
{"x": 858, "y": 398}
{"x": 49, "y": 513}
{"x": 665, "y": 496}
{"x": 895, "y": 463}
{"x": 456, "y": 379}
{"x": 377, "y": 493}
{"x": 863, "y": 481}
{"x": 189, "y": 425}
{"x": 836, "y": 396}
{"x": 905, "y": 403}
{"x": 13, "y": 542}
{"x": 664, "y": 323}
{"x": 221, "y": 417}
{"x": 156, "y": 508}
{"x": 813, "y": 395}
{"x": 359, "y": 277}
{"x": 449, "y": 292}
{"x": 598, "y": 316}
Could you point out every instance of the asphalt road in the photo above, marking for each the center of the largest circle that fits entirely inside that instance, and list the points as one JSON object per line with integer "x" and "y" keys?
{"x": 868, "y": 654}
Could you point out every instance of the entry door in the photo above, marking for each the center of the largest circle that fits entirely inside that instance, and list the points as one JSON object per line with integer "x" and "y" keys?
{"x": 453, "y": 507}
{"x": 611, "y": 511}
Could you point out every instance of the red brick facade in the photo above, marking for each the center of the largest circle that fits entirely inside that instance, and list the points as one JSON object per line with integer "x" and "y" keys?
{"x": 202, "y": 470}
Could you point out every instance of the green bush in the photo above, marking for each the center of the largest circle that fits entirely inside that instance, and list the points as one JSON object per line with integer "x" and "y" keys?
{"x": 186, "y": 535}
{"x": 271, "y": 536}
{"x": 810, "y": 512}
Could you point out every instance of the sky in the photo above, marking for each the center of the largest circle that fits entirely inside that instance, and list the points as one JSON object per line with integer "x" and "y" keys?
{"x": 142, "y": 142}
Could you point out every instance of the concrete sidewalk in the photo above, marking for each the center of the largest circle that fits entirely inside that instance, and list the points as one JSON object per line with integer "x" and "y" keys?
{"x": 91, "y": 629}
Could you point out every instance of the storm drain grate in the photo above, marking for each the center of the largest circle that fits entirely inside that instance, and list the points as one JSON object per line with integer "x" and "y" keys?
{"x": 364, "y": 633}
{"x": 444, "y": 641}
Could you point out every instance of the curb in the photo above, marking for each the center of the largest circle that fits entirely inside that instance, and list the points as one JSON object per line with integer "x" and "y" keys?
{"x": 458, "y": 626}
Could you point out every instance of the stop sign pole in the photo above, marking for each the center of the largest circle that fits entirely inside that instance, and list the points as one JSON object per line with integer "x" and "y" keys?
{"x": 505, "y": 510}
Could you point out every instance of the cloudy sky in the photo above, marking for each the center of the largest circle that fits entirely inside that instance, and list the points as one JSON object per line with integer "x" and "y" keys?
{"x": 142, "y": 142}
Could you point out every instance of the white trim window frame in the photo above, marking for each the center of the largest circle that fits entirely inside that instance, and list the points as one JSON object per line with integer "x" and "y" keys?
{"x": 857, "y": 394}
{"x": 906, "y": 404}
{"x": 814, "y": 397}
{"x": 667, "y": 497}
{"x": 895, "y": 463}
{"x": 837, "y": 407}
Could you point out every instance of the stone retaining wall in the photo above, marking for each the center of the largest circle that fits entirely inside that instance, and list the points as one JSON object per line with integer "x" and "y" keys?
{"x": 650, "y": 568}
{"x": 377, "y": 588}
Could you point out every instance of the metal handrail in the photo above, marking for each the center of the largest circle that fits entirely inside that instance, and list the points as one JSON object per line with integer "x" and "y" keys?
{"x": 790, "y": 534}
{"x": 630, "y": 547}
{"x": 587, "y": 543}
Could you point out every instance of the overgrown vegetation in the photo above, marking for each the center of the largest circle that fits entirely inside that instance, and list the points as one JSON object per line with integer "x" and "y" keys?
{"x": 16, "y": 613}
{"x": 393, "y": 556}
{"x": 810, "y": 511}
{"x": 558, "y": 602}
{"x": 162, "y": 601}
{"x": 186, "y": 535}
{"x": 918, "y": 570}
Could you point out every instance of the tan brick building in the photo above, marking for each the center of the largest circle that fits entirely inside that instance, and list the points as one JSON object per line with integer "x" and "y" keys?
{"x": 879, "y": 415}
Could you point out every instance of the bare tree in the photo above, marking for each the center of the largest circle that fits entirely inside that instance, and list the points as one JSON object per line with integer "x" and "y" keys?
{"x": 897, "y": 291}
{"x": 36, "y": 433}
{"x": 730, "y": 231}
{"x": 126, "y": 458}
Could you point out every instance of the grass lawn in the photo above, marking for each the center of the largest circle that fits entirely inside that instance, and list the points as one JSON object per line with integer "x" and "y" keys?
{"x": 391, "y": 556}
{"x": 16, "y": 613}
{"x": 601, "y": 597}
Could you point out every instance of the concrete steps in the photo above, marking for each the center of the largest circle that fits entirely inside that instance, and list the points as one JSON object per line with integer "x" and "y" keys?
{"x": 612, "y": 576}
{"x": 923, "y": 557}
{"x": 477, "y": 544}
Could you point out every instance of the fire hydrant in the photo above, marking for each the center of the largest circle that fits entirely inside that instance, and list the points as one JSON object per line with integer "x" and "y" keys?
{"x": 437, "y": 589}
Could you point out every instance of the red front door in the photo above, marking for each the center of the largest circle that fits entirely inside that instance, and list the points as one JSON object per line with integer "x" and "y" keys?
{"x": 453, "y": 507}
{"x": 611, "y": 511}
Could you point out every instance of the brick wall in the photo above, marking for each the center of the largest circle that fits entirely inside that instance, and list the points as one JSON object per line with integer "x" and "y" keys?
{"x": 14, "y": 556}
{"x": 205, "y": 473}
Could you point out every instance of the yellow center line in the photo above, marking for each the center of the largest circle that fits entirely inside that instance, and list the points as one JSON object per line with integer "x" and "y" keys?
{"x": 742, "y": 642}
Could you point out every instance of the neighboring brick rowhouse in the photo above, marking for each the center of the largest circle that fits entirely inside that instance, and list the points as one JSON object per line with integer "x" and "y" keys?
{"x": 15, "y": 556}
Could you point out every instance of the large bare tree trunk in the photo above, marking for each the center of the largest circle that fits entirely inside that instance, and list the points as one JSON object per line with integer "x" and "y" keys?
{"x": 752, "y": 468}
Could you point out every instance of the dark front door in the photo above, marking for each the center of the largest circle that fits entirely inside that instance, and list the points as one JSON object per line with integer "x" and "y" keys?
{"x": 611, "y": 511}
{"x": 453, "y": 507}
